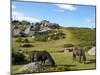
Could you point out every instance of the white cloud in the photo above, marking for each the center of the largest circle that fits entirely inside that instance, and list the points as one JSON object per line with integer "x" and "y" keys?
{"x": 17, "y": 13}
{"x": 88, "y": 20}
{"x": 59, "y": 10}
{"x": 67, "y": 7}
{"x": 20, "y": 16}
{"x": 30, "y": 19}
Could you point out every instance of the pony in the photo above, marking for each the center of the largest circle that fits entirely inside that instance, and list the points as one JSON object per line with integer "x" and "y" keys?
{"x": 41, "y": 56}
{"x": 80, "y": 53}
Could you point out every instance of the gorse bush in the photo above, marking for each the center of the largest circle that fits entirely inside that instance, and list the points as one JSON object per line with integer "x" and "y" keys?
{"x": 87, "y": 48}
{"x": 19, "y": 39}
{"x": 60, "y": 68}
{"x": 22, "y": 40}
{"x": 26, "y": 41}
{"x": 16, "y": 36}
{"x": 43, "y": 38}
{"x": 17, "y": 57}
{"x": 27, "y": 45}
{"x": 52, "y": 36}
{"x": 68, "y": 45}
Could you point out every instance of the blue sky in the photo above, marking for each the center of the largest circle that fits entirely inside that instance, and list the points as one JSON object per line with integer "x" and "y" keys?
{"x": 63, "y": 14}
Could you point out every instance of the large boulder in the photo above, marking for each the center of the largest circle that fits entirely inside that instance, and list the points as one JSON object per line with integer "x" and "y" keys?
{"x": 31, "y": 68}
{"x": 16, "y": 32}
{"x": 92, "y": 51}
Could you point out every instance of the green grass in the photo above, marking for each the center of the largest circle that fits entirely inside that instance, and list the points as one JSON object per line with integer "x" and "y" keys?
{"x": 50, "y": 45}
{"x": 61, "y": 59}
{"x": 65, "y": 60}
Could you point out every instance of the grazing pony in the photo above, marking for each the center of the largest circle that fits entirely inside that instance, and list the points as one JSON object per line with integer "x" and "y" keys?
{"x": 80, "y": 53}
{"x": 41, "y": 56}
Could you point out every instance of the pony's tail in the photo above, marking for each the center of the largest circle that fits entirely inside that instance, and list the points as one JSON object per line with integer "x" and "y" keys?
{"x": 84, "y": 57}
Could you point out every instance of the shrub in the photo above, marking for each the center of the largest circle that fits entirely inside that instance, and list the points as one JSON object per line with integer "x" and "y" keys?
{"x": 68, "y": 45}
{"x": 86, "y": 44}
{"x": 60, "y": 68}
{"x": 19, "y": 39}
{"x": 43, "y": 38}
{"x": 87, "y": 48}
{"x": 26, "y": 41}
{"x": 17, "y": 57}
{"x": 57, "y": 36}
{"x": 27, "y": 45}
{"x": 22, "y": 40}
{"x": 15, "y": 36}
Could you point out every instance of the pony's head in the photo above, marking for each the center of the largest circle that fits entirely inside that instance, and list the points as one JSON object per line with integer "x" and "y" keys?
{"x": 51, "y": 62}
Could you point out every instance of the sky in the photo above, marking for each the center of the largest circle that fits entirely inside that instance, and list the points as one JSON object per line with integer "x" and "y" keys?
{"x": 66, "y": 15}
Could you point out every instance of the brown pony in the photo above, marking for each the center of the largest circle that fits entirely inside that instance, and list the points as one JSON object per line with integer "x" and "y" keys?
{"x": 41, "y": 56}
{"x": 80, "y": 53}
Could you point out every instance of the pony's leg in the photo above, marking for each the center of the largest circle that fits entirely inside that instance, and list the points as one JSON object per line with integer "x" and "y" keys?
{"x": 84, "y": 59}
{"x": 44, "y": 62}
{"x": 80, "y": 59}
{"x": 32, "y": 59}
{"x": 74, "y": 57}
{"x": 41, "y": 62}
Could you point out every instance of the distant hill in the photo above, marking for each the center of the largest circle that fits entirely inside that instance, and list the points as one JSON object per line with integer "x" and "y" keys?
{"x": 85, "y": 36}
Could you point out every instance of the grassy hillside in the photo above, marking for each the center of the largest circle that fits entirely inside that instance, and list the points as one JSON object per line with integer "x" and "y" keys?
{"x": 52, "y": 45}
{"x": 80, "y": 37}
{"x": 85, "y": 36}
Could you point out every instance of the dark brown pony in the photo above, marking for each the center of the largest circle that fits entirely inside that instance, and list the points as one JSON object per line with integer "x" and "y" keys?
{"x": 80, "y": 53}
{"x": 41, "y": 56}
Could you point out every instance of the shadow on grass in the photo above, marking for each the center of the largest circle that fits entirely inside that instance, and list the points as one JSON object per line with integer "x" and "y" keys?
{"x": 91, "y": 61}
{"x": 68, "y": 65}
{"x": 60, "y": 65}
{"x": 59, "y": 68}
{"x": 21, "y": 63}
